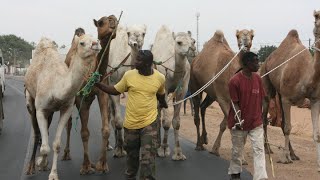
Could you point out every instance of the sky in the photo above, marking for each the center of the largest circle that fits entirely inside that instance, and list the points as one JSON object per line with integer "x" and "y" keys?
{"x": 57, "y": 19}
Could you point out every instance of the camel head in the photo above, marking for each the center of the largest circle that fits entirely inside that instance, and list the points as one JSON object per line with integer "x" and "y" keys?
{"x": 183, "y": 43}
{"x": 79, "y": 32}
{"x": 136, "y": 34}
{"x": 87, "y": 46}
{"x": 105, "y": 26}
{"x": 244, "y": 38}
{"x": 193, "y": 42}
{"x": 316, "y": 30}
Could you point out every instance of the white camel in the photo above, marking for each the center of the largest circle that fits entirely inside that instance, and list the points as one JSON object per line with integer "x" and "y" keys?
{"x": 171, "y": 50}
{"x": 128, "y": 40}
{"x": 51, "y": 86}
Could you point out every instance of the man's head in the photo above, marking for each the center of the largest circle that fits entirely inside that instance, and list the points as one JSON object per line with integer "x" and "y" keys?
{"x": 250, "y": 61}
{"x": 144, "y": 59}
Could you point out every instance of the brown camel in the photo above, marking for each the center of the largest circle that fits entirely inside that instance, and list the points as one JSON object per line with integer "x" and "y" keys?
{"x": 294, "y": 81}
{"x": 214, "y": 56}
{"x": 105, "y": 27}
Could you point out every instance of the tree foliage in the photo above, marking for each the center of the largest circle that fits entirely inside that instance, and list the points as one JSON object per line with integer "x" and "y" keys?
{"x": 14, "y": 47}
{"x": 265, "y": 51}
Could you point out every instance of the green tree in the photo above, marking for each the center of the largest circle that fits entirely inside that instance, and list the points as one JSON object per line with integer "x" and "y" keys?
{"x": 15, "y": 48}
{"x": 265, "y": 51}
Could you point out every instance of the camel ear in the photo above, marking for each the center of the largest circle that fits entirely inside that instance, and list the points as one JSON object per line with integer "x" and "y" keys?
{"x": 252, "y": 33}
{"x": 95, "y": 22}
{"x": 237, "y": 33}
{"x": 145, "y": 28}
{"x": 189, "y": 33}
{"x": 314, "y": 13}
{"x": 76, "y": 39}
{"x": 173, "y": 35}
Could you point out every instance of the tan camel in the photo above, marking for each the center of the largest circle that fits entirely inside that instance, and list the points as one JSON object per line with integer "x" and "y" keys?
{"x": 128, "y": 40}
{"x": 214, "y": 56}
{"x": 44, "y": 97}
{"x": 172, "y": 50}
{"x": 105, "y": 27}
{"x": 294, "y": 81}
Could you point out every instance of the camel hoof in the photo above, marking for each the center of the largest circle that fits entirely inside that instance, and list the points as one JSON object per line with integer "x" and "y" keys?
{"x": 294, "y": 157}
{"x": 179, "y": 157}
{"x": 164, "y": 151}
{"x": 42, "y": 163}
{"x": 109, "y": 147}
{"x": 200, "y": 148}
{"x": 31, "y": 169}
{"x": 87, "y": 169}
{"x": 102, "y": 167}
{"x": 66, "y": 156}
{"x": 285, "y": 157}
{"x": 215, "y": 151}
{"x": 119, "y": 152}
{"x": 53, "y": 176}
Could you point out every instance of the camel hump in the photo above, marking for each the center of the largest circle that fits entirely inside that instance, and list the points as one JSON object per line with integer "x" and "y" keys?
{"x": 219, "y": 36}
{"x": 45, "y": 43}
{"x": 293, "y": 33}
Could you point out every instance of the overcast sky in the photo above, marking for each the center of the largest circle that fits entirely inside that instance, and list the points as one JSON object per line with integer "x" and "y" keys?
{"x": 57, "y": 19}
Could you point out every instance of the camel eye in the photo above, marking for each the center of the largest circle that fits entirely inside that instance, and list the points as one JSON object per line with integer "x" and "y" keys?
{"x": 82, "y": 43}
{"x": 179, "y": 43}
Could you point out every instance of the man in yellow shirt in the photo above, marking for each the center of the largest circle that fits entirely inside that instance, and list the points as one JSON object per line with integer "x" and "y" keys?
{"x": 144, "y": 86}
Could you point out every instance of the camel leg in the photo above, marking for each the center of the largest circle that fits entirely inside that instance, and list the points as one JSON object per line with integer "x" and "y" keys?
{"x": 204, "y": 105}
{"x": 87, "y": 167}
{"x": 223, "y": 125}
{"x": 265, "y": 107}
{"x": 66, "y": 156}
{"x": 191, "y": 106}
{"x": 42, "y": 119}
{"x": 118, "y": 127}
{"x": 64, "y": 117}
{"x": 164, "y": 149}
{"x": 101, "y": 165}
{"x": 285, "y": 157}
{"x": 196, "y": 119}
{"x": 315, "y": 108}
{"x": 177, "y": 154}
{"x": 36, "y": 133}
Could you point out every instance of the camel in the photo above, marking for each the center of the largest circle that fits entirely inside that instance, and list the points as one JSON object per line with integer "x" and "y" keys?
{"x": 214, "y": 56}
{"x": 191, "y": 55}
{"x": 43, "y": 97}
{"x": 172, "y": 50}
{"x": 128, "y": 40}
{"x": 105, "y": 27}
{"x": 295, "y": 81}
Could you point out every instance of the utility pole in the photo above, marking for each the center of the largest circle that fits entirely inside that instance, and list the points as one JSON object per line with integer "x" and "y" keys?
{"x": 197, "y": 15}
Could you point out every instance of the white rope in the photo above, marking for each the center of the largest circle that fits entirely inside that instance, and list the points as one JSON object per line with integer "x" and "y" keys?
{"x": 208, "y": 83}
{"x": 313, "y": 46}
{"x": 223, "y": 69}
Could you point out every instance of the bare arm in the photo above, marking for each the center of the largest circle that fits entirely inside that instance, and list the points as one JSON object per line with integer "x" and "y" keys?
{"x": 107, "y": 88}
{"x": 162, "y": 101}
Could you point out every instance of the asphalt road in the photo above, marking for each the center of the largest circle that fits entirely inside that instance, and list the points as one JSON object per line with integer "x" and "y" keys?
{"x": 16, "y": 146}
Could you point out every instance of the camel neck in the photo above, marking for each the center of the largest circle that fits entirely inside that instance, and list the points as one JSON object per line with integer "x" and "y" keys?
{"x": 134, "y": 54}
{"x": 105, "y": 59}
{"x": 180, "y": 63}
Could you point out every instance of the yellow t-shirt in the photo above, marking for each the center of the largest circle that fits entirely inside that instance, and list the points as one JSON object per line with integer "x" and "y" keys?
{"x": 141, "y": 108}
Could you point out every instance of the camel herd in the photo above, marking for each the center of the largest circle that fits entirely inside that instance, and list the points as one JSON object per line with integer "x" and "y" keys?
{"x": 293, "y": 81}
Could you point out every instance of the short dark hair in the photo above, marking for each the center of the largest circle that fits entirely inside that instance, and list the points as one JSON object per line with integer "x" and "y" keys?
{"x": 146, "y": 56}
{"x": 247, "y": 57}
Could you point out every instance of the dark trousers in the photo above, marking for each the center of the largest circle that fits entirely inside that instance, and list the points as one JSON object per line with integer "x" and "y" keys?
{"x": 141, "y": 146}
